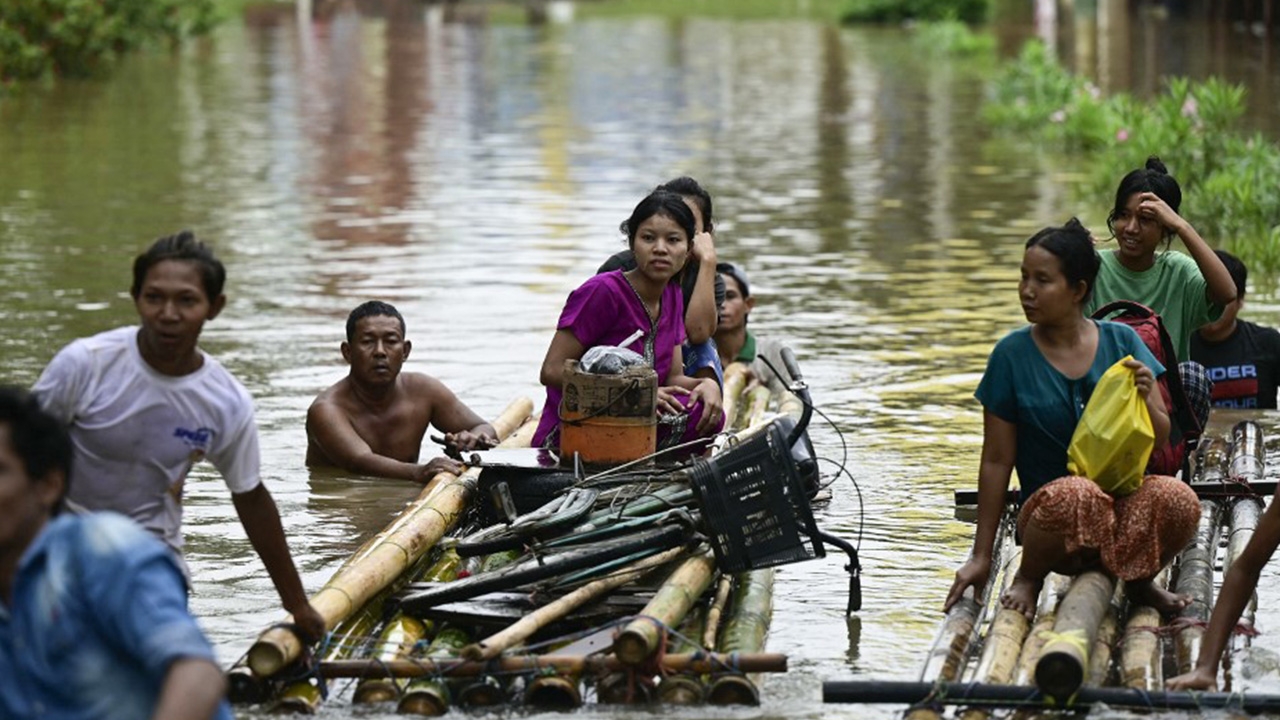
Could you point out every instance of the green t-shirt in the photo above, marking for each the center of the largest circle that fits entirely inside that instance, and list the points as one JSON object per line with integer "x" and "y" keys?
{"x": 1173, "y": 287}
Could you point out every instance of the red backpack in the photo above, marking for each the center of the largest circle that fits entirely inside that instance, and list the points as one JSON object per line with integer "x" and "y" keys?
{"x": 1184, "y": 426}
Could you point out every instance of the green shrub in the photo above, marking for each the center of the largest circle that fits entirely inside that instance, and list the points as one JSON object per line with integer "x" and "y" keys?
{"x": 78, "y": 38}
{"x": 953, "y": 38}
{"x": 1228, "y": 179}
{"x": 891, "y": 11}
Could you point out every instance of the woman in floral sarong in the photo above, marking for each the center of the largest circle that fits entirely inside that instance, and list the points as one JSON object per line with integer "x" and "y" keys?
{"x": 1036, "y": 385}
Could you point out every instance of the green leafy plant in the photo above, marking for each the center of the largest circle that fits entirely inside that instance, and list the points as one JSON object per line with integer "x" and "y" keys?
{"x": 882, "y": 11}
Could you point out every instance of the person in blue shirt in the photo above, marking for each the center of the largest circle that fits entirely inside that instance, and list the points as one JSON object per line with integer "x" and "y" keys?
{"x": 1038, "y": 380}
{"x": 93, "y": 609}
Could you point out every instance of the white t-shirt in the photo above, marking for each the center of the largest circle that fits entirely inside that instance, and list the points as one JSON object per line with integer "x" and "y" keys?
{"x": 137, "y": 432}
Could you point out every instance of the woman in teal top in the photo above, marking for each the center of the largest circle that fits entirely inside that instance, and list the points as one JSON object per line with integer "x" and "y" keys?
{"x": 1037, "y": 382}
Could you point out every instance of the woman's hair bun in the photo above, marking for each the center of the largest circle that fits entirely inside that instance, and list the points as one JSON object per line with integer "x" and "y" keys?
{"x": 1153, "y": 163}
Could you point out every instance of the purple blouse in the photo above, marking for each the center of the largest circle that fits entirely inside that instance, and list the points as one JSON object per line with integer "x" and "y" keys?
{"x": 605, "y": 310}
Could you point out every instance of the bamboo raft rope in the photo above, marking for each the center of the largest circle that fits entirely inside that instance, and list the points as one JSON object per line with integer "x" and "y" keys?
{"x": 430, "y": 667}
{"x": 1089, "y": 647}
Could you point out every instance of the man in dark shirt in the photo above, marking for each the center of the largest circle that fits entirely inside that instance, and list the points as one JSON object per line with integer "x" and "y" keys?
{"x": 1242, "y": 358}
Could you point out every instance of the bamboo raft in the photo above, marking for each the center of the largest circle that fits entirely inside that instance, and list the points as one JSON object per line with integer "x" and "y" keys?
{"x": 1087, "y": 645}
{"x": 669, "y": 628}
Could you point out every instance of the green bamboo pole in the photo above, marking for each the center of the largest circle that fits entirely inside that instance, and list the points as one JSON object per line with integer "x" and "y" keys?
{"x": 1063, "y": 662}
{"x": 640, "y": 639}
{"x": 384, "y": 557}
{"x": 687, "y": 688}
{"x": 750, "y": 613}
{"x": 686, "y": 662}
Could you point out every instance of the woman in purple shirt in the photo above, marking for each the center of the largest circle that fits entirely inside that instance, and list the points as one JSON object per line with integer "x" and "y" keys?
{"x": 610, "y": 307}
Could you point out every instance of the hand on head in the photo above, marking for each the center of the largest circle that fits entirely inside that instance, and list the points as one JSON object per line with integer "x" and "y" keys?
{"x": 704, "y": 248}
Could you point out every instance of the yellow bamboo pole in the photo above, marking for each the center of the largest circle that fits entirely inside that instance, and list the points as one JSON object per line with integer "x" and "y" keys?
{"x": 526, "y": 626}
{"x": 1003, "y": 642}
{"x": 946, "y": 653}
{"x": 395, "y": 642}
{"x": 1064, "y": 659}
{"x": 735, "y": 379}
{"x": 756, "y": 404}
{"x": 429, "y": 695}
{"x": 639, "y": 640}
{"x": 712, "y": 625}
{"x": 303, "y": 697}
{"x": 1140, "y": 653}
{"x": 385, "y": 556}
{"x": 1055, "y": 586}
{"x": 686, "y": 689}
{"x": 1103, "y": 648}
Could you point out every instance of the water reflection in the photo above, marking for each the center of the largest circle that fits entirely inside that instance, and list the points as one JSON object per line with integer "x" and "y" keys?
{"x": 474, "y": 172}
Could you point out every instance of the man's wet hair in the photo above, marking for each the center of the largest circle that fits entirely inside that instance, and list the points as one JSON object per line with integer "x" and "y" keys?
{"x": 38, "y": 439}
{"x": 181, "y": 246}
{"x": 372, "y": 308}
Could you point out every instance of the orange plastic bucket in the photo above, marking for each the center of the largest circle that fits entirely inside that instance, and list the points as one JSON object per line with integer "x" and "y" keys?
{"x": 608, "y": 419}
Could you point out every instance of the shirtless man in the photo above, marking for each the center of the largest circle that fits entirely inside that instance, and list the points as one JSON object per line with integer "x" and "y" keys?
{"x": 372, "y": 421}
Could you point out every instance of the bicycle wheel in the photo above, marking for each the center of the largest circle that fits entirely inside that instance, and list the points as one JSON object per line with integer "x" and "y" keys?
{"x": 534, "y": 569}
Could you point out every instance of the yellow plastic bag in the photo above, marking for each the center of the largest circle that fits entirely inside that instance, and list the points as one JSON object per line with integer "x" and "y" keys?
{"x": 1114, "y": 438}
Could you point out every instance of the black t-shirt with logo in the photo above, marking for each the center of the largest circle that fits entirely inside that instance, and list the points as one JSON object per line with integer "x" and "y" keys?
{"x": 1244, "y": 368}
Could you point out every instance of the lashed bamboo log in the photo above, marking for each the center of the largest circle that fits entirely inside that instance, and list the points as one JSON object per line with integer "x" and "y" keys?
{"x": 1100, "y": 658}
{"x": 1195, "y": 579}
{"x": 1055, "y": 586}
{"x": 385, "y": 556}
{"x": 1248, "y": 465}
{"x": 303, "y": 697}
{"x": 750, "y": 613}
{"x": 735, "y": 379}
{"x": 684, "y": 662}
{"x": 526, "y": 626}
{"x": 687, "y": 689}
{"x": 1064, "y": 658}
{"x": 430, "y": 696}
{"x": 396, "y": 641}
{"x": 640, "y": 639}
{"x": 484, "y": 691}
{"x": 946, "y": 654}
{"x": 1140, "y": 653}
{"x": 790, "y": 404}
{"x": 1003, "y": 642}
{"x": 553, "y": 692}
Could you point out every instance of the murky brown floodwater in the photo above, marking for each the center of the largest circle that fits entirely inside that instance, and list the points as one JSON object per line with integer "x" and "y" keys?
{"x": 474, "y": 172}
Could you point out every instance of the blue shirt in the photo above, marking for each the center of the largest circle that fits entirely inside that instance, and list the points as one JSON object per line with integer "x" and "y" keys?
{"x": 1021, "y": 387}
{"x": 99, "y": 613}
{"x": 702, "y": 355}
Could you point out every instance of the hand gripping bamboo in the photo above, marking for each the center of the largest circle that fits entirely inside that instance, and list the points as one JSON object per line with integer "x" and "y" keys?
{"x": 381, "y": 560}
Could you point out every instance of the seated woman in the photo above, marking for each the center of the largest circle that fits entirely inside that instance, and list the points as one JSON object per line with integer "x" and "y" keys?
{"x": 610, "y": 307}
{"x": 1036, "y": 385}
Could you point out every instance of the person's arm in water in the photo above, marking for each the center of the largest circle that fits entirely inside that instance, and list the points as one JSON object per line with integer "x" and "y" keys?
{"x": 192, "y": 690}
{"x": 564, "y": 346}
{"x": 700, "y": 316}
{"x": 677, "y": 384}
{"x": 463, "y": 428}
{"x": 330, "y": 430}
{"x": 1221, "y": 288}
{"x": 999, "y": 450}
{"x": 1237, "y": 588}
{"x": 261, "y": 521}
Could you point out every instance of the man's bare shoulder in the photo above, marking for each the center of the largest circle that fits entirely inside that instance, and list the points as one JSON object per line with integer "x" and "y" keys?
{"x": 337, "y": 395}
{"x": 423, "y": 386}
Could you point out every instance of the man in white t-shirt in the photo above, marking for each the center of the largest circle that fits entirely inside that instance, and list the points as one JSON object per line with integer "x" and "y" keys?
{"x": 144, "y": 404}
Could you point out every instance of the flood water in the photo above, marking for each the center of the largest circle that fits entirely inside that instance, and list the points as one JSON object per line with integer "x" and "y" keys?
{"x": 474, "y": 170}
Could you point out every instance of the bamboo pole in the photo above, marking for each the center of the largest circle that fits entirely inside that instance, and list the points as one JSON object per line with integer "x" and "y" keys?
{"x": 1248, "y": 465}
{"x": 419, "y": 667}
{"x": 553, "y": 692}
{"x": 1140, "y": 653}
{"x": 1195, "y": 578}
{"x": 396, "y": 641}
{"x": 526, "y": 626}
{"x": 946, "y": 654}
{"x": 429, "y": 695}
{"x": 1003, "y": 643}
{"x": 385, "y": 556}
{"x": 750, "y": 614}
{"x": 756, "y": 404}
{"x": 686, "y": 689}
{"x": 303, "y": 697}
{"x": 641, "y": 638}
{"x": 711, "y": 626}
{"x": 1060, "y": 671}
{"x": 735, "y": 379}
{"x": 1100, "y": 658}
{"x": 1055, "y": 586}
